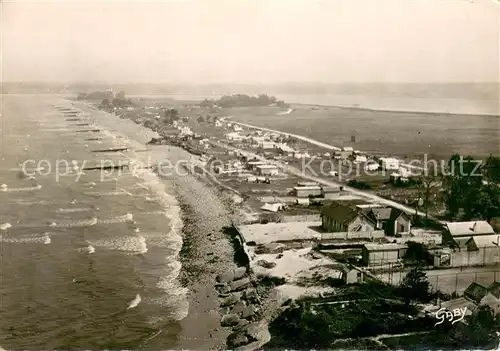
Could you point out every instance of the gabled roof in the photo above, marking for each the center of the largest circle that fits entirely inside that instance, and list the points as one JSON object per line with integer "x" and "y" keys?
{"x": 485, "y": 241}
{"x": 340, "y": 213}
{"x": 396, "y": 213}
{"x": 495, "y": 289}
{"x": 381, "y": 213}
{"x": 469, "y": 228}
{"x": 475, "y": 292}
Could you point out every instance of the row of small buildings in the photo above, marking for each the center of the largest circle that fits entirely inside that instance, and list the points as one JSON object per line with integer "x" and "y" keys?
{"x": 458, "y": 244}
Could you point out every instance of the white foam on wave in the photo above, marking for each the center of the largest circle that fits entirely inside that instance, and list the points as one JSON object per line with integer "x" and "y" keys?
{"x": 136, "y": 301}
{"x": 175, "y": 296}
{"x": 33, "y": 239}
{"x": 121, "y": 219}
{"x": 5, "y": 226}
{"x": 74, "y": 210}
{"x": 5, "y": 188}
{"x": 31, "y": 203}
{"x": 73, "y": 224}
{"x": 111, "y": 193}
{"x": 131, "y": 244}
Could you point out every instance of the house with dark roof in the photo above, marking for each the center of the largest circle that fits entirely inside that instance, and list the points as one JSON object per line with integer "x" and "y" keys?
{"x": 492, "y": 298}
{"x": 481, "y": 295}
{"x": 391, "y": 220}
{"x": 475, "y": 292}
{"x": 338, "y": 218}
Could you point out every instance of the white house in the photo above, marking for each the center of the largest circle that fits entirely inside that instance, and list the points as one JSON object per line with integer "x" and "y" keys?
{"x": 389, "y": 163}
{"x": 360, "y": 159}
{"x": 267, "y": 170}
{"x": 267, "y": 144}
{"x": 372, "y": 167}
{"x": 237, "y": 128}
{"x": 234, "y": 136}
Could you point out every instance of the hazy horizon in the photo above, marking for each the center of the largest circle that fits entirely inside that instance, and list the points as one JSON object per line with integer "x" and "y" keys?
{"x": 251, "y": 42}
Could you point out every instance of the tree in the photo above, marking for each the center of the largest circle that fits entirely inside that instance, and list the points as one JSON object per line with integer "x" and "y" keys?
{"x": 200, "y": 119}
{"x": 415, "y": 286}
{"x": 418, "y": 252}
{"x": 463, "y": 182}
{"x": 105, "y": 103}
{"x": 492, "y": 169}
{"x": 480, "y": 330}
{"x": 121, "y": 95}
{"x": 426, "y": 184}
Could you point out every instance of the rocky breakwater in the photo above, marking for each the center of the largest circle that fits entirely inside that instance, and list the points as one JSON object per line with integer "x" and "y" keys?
{"x": 241, "y": 310}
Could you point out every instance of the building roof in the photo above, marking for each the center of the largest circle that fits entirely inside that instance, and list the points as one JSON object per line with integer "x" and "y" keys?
{"x": 385, "y": 247}
{"x": 475, "y": 292}
{"x": 327, "y": 189}
{"x": 469, "y": 228}
{"x": 340, "y": 213}
{"x": 381, "y": 213}
{"x": 315, "y": 187}
{"x": 347, "y": 269}
{"x": 307, "y": 184}
{"x": 460, "y": 302}
{"x": 495, "y": 289}
{"x": 396, "y": 213}
{"x": 388, "y": 159}
{"x": 276, "y": 232}
{"x": 485, "y": 240}
{"x": 266, "y": 166}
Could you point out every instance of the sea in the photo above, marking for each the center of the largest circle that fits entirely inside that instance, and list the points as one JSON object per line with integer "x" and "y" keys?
{"x": 89, "y": 258}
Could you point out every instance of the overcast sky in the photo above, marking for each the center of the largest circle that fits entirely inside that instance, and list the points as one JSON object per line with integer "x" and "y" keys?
{"x": 252, "y": 41}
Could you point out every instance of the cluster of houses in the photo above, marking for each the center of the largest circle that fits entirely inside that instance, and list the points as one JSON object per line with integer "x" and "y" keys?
{"x": 459, "y": 244}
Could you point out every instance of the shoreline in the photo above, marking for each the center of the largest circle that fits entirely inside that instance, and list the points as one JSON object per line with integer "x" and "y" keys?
{"x": 205, "y": 211}
{"x": 371, "y": 109}
{"x": 185, "y": 97}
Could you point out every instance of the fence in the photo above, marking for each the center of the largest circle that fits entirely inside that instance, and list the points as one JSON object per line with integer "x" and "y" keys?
{"x": 481, "y": 257}
{"x": 449, "y": 283}
{"x": 352, "y": 235}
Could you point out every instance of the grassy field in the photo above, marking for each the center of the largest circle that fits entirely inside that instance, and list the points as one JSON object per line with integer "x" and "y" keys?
{"x": 395, "y": 133}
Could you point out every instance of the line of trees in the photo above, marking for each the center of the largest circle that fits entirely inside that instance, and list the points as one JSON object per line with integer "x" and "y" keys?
{"x": 242, "y": 100}
{"x": 472, "y": 188}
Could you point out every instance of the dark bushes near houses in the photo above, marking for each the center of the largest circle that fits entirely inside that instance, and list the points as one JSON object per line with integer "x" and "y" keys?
{"x": 359, "y": 184}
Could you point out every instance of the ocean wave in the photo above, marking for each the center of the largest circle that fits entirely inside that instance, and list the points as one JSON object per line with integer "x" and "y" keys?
{"x": 136, "y": 301}
{"x": 131, "y": 244}
{"x": 74, "y": 210}
{"x": 110, "y": 193}
{"x": 74, "y": 224}
{"x": 174, "y": 300}
{"x": 5, "y": 226}
{"x": 35, "y": 202}
{"x": 121, "y": 219}
{"x": 33, "y": 239}
{"x": 5, "y": 188}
